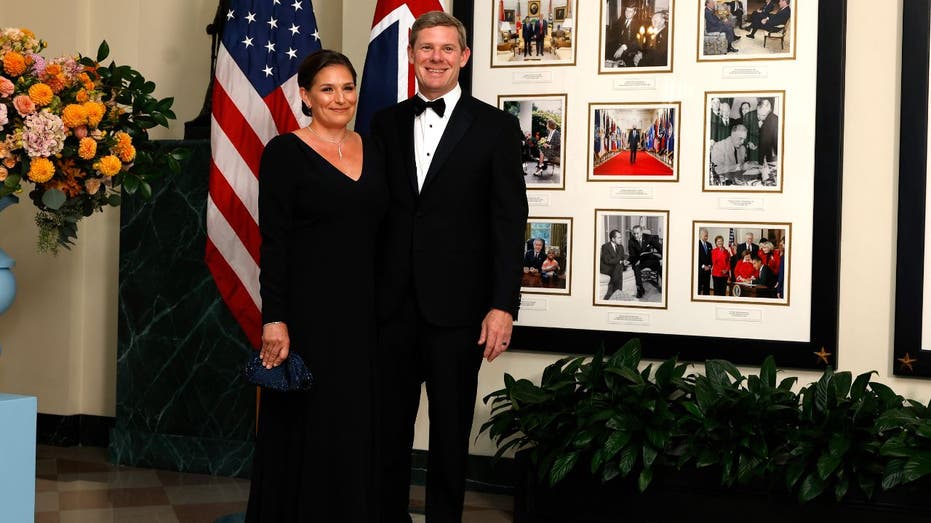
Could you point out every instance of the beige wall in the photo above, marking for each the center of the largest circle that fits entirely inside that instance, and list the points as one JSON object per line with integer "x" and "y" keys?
{"x": 59, "y": 338}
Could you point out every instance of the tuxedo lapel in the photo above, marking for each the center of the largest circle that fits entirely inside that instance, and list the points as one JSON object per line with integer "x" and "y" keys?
{"x": 406, "y": 126}
{"x": 459, "y": 123}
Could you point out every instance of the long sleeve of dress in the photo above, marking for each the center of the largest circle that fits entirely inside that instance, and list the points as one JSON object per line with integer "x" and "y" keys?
{"x": 276, "y": 208}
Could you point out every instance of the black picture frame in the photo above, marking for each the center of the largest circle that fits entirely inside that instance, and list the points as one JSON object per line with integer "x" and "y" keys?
{"x": 908, "y": 358}
{"x": 821, "y": 349}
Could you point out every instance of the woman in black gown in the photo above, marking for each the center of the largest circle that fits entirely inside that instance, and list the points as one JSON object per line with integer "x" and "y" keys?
{"x": 319, "y": 209}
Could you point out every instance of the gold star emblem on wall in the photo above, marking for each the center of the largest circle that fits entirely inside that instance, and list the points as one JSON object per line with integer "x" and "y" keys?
{"x": 823, "y": 356}
{"x": 907, "y": 362}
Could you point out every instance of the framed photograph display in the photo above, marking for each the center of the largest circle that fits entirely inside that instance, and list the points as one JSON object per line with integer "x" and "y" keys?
{"x": 633, "y": 142}
{"x": 630, "y": 258}
{"x": 531, "y": 33}
{"x": 746, "y": 30}
{"x": 740, "y": 262}
{"x": 547, "y": 256}
{"x": 671, "y": 316}
{"x": 636, "y": 36}
{"x": 743, "y": 138}
{"x": 912, "y": 345}
{"x": 542, "y": 121}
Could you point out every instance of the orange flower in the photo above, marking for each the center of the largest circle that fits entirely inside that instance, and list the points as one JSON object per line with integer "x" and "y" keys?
{"x": 41, "y": 94}
{"x": 108, "y": 165}
{"x": 95, "y": 112}
{"x": 52, "y": 69}
{"x": 57, "y": 83}
{"x": 74, "y": 115}
{"x": 41, "y": 170}
{"x": 128, "y": 153}
{"x": 87, "y": 148}
{"x": 71, "y": 169}
{"x": 70, "y": 186}
{"x": 14, "y": 63}
{"x": 81, "y": 96}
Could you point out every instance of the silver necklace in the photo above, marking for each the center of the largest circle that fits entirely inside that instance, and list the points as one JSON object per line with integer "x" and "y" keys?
{"x": 339, "y": 143}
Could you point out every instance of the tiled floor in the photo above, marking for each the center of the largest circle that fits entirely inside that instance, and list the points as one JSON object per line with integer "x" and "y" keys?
{"x": 77, "y": 485}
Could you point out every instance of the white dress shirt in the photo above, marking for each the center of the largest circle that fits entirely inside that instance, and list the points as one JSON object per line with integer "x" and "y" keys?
{"x": 428, "y": 130}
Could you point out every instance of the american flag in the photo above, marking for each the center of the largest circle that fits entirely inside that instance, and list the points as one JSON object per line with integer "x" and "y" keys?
{"x": 255, "y": 98}
{"x": 388, "y": 78}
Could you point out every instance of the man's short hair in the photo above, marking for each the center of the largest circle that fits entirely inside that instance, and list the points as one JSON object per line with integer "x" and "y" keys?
{"x": 635, "y": 227}
{"x": 438, "y": 19}
{"x": 739, "y": 128}
{"x": 613, "y": 233}
{"x": 765, "y": 99}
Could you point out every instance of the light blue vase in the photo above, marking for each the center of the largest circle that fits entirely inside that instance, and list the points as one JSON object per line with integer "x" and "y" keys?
{"x": 7, "y": 282}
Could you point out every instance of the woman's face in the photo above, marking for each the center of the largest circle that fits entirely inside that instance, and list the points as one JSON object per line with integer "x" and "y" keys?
{"x": 767, "y": 248}
{"x": 718, "y": 242}
{"x": 744, "y": 108}
{"x": 332, "y": 97}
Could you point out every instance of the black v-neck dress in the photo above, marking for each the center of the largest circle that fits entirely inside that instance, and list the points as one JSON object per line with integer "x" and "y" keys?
{"x": 313, "y": 454}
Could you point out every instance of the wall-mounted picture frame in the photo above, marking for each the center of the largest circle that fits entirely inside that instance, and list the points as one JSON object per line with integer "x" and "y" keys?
{"x": 741, "y": 262}
{"x": 636, "y": 37}
{"x": 527, "y": 33}
{"x": 542, "y": 119}
{"x": 744, "y": 137}
{"x": 633, "y": 141}
{"x": 912, "y": 344}
{"x": 547, "y": 256}
{"x": 630, "y": 258}
{"x": 742, "y": 30}
{"x": 805, "y": 333}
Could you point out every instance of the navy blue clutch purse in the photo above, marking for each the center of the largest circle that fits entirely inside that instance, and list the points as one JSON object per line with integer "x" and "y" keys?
{"x": 291, "y": 375}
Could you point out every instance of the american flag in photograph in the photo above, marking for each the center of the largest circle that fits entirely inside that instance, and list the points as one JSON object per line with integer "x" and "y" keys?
{"x": 388, "y": 78}
{"x": 255, "y": 98}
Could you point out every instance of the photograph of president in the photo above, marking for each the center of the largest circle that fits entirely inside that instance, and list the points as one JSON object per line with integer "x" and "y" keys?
{"x": 630, "y": 258}
{"x": 636, "y": 36}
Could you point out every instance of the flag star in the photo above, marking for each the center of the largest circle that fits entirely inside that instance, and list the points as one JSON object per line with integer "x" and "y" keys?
{"x": 267, "y": 71}
{"x": 248, "y": 42}
{"x": 273, "y": 23}
{"x": 292, "y": 53}
{"x": 296, "y": 5}
{"x": 250, "y": 17}
{"x": 276, "y": 2}
{"x": 316, "y": 35}
{"x": 270, "y": 46}
{"x": 229, "y": 15}
{"x": 295, "y": 29}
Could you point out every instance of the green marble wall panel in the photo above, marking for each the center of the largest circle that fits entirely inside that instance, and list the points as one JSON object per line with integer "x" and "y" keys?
{"x": 181, "y": 400}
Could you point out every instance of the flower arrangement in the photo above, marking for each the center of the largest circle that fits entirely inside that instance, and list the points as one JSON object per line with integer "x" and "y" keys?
{"x": 76, "y": 132}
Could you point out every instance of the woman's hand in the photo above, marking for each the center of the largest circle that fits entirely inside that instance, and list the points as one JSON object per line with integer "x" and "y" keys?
{"x": 275, "y": 344}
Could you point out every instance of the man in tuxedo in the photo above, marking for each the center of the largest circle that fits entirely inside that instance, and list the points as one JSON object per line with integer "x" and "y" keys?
{"x": 770, "y": 22}
{"x": 646, "y": 251}
{"x": 633, "y": 141}
{"x": 658, "y": 53}
{"x": 612, "y": 262}
{"x": 704, "y": 263}
{"x": 713, "y": 24}
{"x": 452, "y": 166}
{"x": 534, "y": 258}
{"x": 768, "y": 8}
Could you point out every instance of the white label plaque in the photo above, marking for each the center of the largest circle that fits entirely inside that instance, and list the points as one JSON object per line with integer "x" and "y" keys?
{"x": 533, "y": 77}
{"x": 637, "y": 83}
{"x": 744, "y": 71}
{"x": 629, "y": 318}
{"x": 538, "y": 200}
{"x": 751, "y": 315}
{"x": 742, "y": 204}
{"x": 628, "y": 193}
{"x": 532, "y": 304}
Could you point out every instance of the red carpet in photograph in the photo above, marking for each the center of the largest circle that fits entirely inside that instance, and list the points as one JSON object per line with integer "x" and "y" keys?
{"x": 646, "y": 165}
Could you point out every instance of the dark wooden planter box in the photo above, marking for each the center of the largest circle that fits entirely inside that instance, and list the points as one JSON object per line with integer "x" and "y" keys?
{"x": 695, "y": 495}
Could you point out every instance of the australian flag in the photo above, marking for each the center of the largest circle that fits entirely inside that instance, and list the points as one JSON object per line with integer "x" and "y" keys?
{"x": 388, "y": 78}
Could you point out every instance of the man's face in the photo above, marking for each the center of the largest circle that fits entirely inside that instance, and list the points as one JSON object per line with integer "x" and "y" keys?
{"x": 537, "y": 246}
{"x": 739, "y": 138}
{"x": 437, "y": 59}
{"x": 749, "y": 237}
{"x": 704, "y": 236}
{"x": 631, "y": 11}
{"x": 783, "y": 4}
{"x": 616, "y": 239}
{"x": 725, "y": 110}
{"x": 638, "y": 233}
{"x": 715, "y": 105}
{"x": 763, "y": 109}
{"x": 658, "y": 21}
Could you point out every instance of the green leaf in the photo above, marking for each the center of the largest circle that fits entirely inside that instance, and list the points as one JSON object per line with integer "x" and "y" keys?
{"x": 145, "y": 189}
{"x": 103, "y": 51}
{"x": 54, "y": 199}
{"x": 582, "y": 439}
{"x": 627, "y": 459}
{"x": 840, "y": 490}
{"x": 768, "y": 371}
{"x": 794, "y": 472}
{"x": 646, "y": 476}
{"x": 812, "y": 487}
{"x": 562, "y": 466}
{"x": 12, "y": 180}
{"x": 842, "y": 384}
{"x": 114, "y": 200}
{"x": 649, "y": 455}
{"x": 859, "y": 385}
{"x": 131, "y": 184}
{"x": 615, "y": 442}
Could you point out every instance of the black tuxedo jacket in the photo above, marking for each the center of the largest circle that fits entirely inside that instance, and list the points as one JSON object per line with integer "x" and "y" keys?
{"x": 704, "y": 255}
{"x": 611, "y": 257}
{"x": 649, "y": 243}
{"x": 458, "y": 245}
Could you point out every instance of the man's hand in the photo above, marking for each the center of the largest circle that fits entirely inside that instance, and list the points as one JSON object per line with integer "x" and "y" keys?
{"x": 275, "y": 344}
{"x": 620, "y": 51}
{"x": 496, "y": 333}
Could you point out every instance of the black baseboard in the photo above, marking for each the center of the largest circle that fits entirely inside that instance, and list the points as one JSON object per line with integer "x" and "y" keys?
{"x": 71, "y": 431}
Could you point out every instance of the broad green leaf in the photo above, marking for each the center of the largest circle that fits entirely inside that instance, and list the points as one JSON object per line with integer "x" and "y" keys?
{"x": 562, "y": 466}
{"x": 768, "y": 371}
{"x": 811, "y": 488}
{"x": 646, "y": 476}
{"x": 649, "y": 455}
{"x": 627, "y": 459}
{"x": 859, "y": 385}
{"x": 103, "y": 51}
{"x": 54, "y": 199}
{"x": 842, "y": 384}
{"x": 615, "y": 442}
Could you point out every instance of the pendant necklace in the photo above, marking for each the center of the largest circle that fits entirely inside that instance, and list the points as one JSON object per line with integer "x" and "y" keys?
{"x": 339, "y": 143}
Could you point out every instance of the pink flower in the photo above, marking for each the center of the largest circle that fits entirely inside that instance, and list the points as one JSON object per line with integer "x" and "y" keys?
{"x": 6, "y": 87}
{"x": 24, "y": 105}
{"x": 3, "y": 117}
{"x": 80, "y": 131}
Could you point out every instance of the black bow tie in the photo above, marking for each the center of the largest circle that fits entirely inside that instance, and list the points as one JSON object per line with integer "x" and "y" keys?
{"x": 421, "y": 105}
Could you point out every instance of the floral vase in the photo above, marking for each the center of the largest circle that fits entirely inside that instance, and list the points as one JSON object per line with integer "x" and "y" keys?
{"x": 7, "y": 282}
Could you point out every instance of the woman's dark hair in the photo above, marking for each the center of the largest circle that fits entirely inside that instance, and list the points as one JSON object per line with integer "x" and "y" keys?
{"x": 314, "y": 63}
